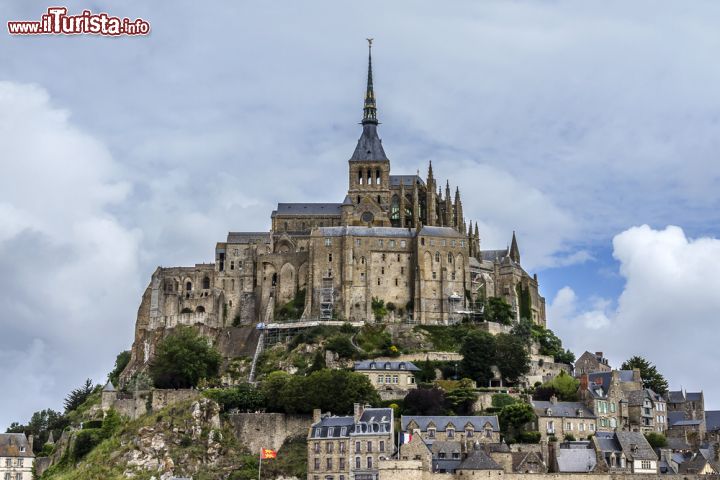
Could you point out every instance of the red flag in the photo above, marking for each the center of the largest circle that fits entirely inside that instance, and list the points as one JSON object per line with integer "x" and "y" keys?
{"x": 267, "y": 453}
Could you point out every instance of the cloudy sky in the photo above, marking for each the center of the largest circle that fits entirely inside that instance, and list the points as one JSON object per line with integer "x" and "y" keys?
{"x": 592, "y": 129}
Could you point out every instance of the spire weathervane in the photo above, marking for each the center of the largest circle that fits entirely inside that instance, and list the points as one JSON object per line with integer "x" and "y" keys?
{"x": 370, "y": 109}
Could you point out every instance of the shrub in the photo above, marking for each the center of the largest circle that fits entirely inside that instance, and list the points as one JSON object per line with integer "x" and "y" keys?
{"x": 244, "y": 397}
{"x": 529, "y": 437}
{"x": 121, "y": 362}
{"x": 341, "y": 345}
{"x": 85, "y": 441}
{"x": 182, "y": 359}
{"x": 569, "y": 437}
{"x": 656, "y": 440}
{"x": 501, "y": 400}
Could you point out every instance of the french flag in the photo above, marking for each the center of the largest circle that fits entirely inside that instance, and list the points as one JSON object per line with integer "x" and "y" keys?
{"x": 406, "y": 437}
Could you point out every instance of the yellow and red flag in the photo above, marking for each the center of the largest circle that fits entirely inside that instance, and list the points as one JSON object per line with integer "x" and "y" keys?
{"x": 267, "y": 453}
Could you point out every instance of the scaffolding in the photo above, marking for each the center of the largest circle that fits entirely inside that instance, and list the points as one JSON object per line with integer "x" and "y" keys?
{"x": 327, "y": 299}
{"x": 283, "y": 332}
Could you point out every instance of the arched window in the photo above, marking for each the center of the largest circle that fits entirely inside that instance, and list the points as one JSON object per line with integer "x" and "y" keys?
{"x": 188, "y": 286}
{"x": 362, "y": 260}
{"x": 360, "y": 178}
{"x": 200, "y": 309}
{"x": 437, "y": 256}
{"x": 450, "y": 258}
{"x": 206, "y": 283}
{"x": 185, "y": 310}
{"x": 379, "y": 199}
{"x": 377, "y": 177}
{"x": 286, "y": 226}
{"x": 274, "y": 279}
{"x": 395, "y": 211}
{"x": 369, "y": 177}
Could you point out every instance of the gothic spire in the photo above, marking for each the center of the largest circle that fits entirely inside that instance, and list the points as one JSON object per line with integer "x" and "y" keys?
{"x": 370, "y": 109}
{"x": 514, "y": 250}
{"x": 430, "y": 172}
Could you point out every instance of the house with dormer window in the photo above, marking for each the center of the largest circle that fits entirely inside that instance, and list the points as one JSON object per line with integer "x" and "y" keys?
{"x": 350, "y": 447}
{"x": 431, "y": 428}
{"x": 392, "y": 380}
{"x": 558, "y": 419}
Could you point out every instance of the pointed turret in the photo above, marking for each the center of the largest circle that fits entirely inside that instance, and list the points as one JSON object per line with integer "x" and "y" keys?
{"x": 514, "y": 250}
{"x": 369, "y": 145}
{"x": 430, "y": 198}
{"x": 370, "y": 109}
{"x": 448, "y": 206}
{"x": 471, "y": 243}
{"x": 459, "y": 218}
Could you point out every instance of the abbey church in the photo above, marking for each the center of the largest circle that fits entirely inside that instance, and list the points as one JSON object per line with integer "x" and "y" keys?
{"x": 396, "y": 238}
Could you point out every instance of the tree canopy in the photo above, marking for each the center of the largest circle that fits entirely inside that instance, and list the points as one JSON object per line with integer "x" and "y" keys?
{"x": 652, "y": 379}
{"x": 425, "y": 401}
{"x": 182, "y": 359}
{"x": 121, "y": 362}
{"x": 330, "y": 390}
{"x": 511, "y": 357}
{"x": 478, "y": 351}
{"x": 496, "y": 309}
{"x": 513, "y": 419}
{"x": 78, "y": 396}
{"x": 563, "y": 386}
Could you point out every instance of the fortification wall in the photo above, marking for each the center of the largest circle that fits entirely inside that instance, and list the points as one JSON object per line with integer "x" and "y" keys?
{"x": 136, "y": 404}
{"x": 268, "y": 430}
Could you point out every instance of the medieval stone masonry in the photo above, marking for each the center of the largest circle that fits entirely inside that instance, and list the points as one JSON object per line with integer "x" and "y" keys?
{"x": 395, "y": 238}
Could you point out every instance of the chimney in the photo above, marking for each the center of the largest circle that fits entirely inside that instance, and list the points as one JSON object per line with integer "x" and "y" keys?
{"x": 584, "y": 382}
{"x": 553, "y": 399}
{"x": 357, "y": 412}
{"x": 599, "y": 355}
{"x": 317, "y": 415}
{"x": 636, "y": 375}
{"x": 31, "y": 440}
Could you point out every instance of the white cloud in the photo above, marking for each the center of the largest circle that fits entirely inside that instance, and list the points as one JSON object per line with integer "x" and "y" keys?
{"x": 667, "y": 311}
{"x": 70, "y": 267}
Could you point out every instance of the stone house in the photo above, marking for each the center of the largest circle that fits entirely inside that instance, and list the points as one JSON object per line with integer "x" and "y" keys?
{"x": 558, "y": 419}
{"x": 591, "y": 362}
{"x": 686, "y": 417}
{"x": 392, "y": 379}
{"x": 691, "y": 404}
{"x": 647, "y": 411}
{"x": 628, "y": 452}
{"x": 604, "y": 393}
{"x": 712, "y": 426}
{"x": 469, "y": 429}
{"x": 16, "y": 456}
{"x": 350, "y": 447}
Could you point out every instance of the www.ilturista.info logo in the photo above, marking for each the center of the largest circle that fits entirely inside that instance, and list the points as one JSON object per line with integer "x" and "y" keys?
{"x": 57, "y": 22}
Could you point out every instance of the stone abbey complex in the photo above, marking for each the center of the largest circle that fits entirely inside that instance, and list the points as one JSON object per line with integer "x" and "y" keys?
{"x": 394, "y": 238}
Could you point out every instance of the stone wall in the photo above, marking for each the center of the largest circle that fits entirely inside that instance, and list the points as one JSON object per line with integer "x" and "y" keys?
{"x": 136, "y": 404}
{"x": 412, "y": 470}
{"x": 268, "y": 430}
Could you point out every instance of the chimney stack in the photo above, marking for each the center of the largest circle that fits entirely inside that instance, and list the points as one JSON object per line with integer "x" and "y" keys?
{"x": 553, "y": 399}
{"x": 584, "y": 382}
{"x": 317, "y": 415}
{"x": 31, "y": 440}
{"x": 357, "y": 412}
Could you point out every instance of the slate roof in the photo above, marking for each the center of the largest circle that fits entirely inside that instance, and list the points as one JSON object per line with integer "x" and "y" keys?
{"x": 248, "y": 237}
{"x": 375, "y": 365}
{"x": 493, "y": 255}
{"x": 15, "y": 445}
{"x": 109, "y": 387}
{"x": 643, "y": 450}
{"x": 637, "y": 397}
{"x": 519, "y": 457}
{"x": 693, "y": 396}
{"x": 674, "y": 417}
{"x": 477, "y": 459}
{"x": 393, "y": 232}
{"x": 562, "y": 409}
{"x": 576, "y": 460}
{"x": 686, "y": 423}
{"x": 440, "y": 232}
{"x": 676, "y": 397}
{"x": 304, "y": 209}
{"x": 449, "y": 465}
{"x": 378, "y": 420}
{"x": 406, "y": 180}
{"x": 369, "y": 146}
{"x": 676, "y": 443}
{"x": 441, "y": 421}
{"x": 694, "y": 465}
{"x": 712, "y": 420}
{"x": 446, "y": 447}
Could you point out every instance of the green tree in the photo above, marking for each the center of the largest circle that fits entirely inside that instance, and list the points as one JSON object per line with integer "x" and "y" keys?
{"x": 424, "y": 401}
{"x": 496, "y": 309}
{"x": 318, "y": 362}
{"x": 182, "y": 359}
{"x": 511, "y": 357}
{"x": 523, "y": 330}
{"x": 500, "y": 400}
{"x": 426, "y": 373}
{"x": 478, "y": 350}
{"x": 652, "y": 379}
{"x": 244, "y": 397}
{"x": 513, "y": 419}
{"x": 111, "y": 423}
{"x": 121, "y": 362}
{"x": 379, "y": 309}
{"x": 656, "y": 440}
{"x": 78, "y": 396}
{"x": 463, "y": 398}
{"x": 563, "y": 386}
{"x": 272, "y": 388}
{"x": 341, "y": 345}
